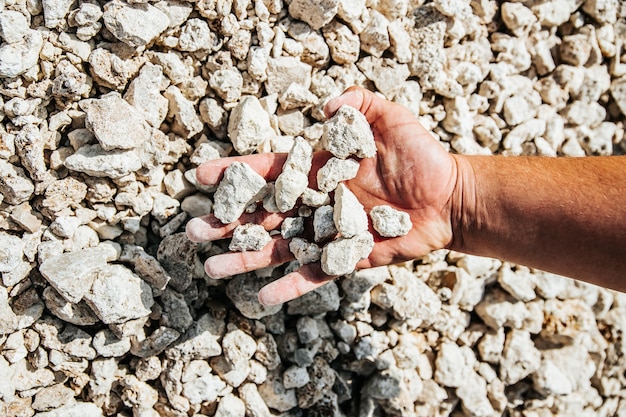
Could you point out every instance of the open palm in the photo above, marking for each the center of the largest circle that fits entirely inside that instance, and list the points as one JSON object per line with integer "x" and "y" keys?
{"x": 410, "y": 172}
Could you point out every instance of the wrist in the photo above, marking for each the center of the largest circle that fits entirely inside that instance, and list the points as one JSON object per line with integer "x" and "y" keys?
{"x": 463, "y": 205}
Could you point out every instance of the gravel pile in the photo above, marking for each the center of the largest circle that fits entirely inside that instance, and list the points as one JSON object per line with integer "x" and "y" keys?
{"x": 107, "y": 109}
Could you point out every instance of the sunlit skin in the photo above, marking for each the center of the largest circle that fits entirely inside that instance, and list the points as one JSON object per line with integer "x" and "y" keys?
{"x": 564, "y": 215}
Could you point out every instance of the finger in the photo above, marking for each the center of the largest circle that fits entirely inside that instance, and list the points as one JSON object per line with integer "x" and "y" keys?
{"x": 268, "y": 165}
{"x": 208, "y": 228}
{"x": 276, "y": 252}
{"x": 293, "y": 285}
{"x": 375, "y": 108}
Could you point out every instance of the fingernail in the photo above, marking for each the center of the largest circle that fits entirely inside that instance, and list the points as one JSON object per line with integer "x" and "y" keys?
{"x": 267, "y": 298}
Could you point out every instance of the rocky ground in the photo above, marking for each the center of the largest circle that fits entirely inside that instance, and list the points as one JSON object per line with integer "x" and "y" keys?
{"x": 108, "y": 107}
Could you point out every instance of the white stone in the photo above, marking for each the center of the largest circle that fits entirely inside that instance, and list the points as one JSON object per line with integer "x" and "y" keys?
{"x": 200, "y": 341}
{"x": 72, "y": 274}
{"x": 195, "y": 35}
{"x": 408, "y": 298}
{"x": 15, "y": 185}
{"x": 199, "y": 384}
{"x": 136, "y": 24}
{"x": 315, "y": 198}
{"x": 230, "y": 406}
{"x": 249, "y": 237}
{"x": 115, "y": 123}
{"x": 474, "y": 396}
{"x": 13, "y": 26}
{"x": 240, "y": 187}
{"x": 187, "y": 122}
{"x": 249, "y": 125}
{"x": 144, "y": 94}
{"x": 78, "y": 409}
{"x": 95, "y": 161}
{"x": 283, "y": 71}
{"x": 108, "y": 345}
{"x": 618, "y": 91}
{"x": 451, "y": 368}
{"x": 520, "y": 357}
{"x": 375, "y": 36}
{"x": 118, "y": 295}
{"x": 294, "y": 178}
{"x": 518, "y": 18}
{"x": 390, "y": 222}
{"x": 18, "y": 57}
{"x": 550, "y": 380}
{"x": 385, "y": 73}
{"x": 499, "y": 309}
{"x": 334, "y": 171}
{"x": 343, "y": 43}
{"x": 295, "y": 377}
{"x": 227, "y": 83}
{"x": 255, "y": 405}
{"x": 340, "y": 256}
{"x": 349, "y": 216}
{"x": 348, "y": 133}
{"x": 11, "y": 252}
{"x": 238, "y": 347}
{"x": 603, "y": 11}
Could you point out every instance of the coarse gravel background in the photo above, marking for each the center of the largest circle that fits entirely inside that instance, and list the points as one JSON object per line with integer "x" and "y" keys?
{"x": 108, "y": 107}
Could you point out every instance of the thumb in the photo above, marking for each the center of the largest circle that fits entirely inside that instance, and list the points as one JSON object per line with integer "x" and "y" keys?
{"x": 368, "y": 103}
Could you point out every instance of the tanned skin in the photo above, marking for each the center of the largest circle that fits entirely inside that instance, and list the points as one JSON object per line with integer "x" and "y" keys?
{"x": 562, "y": 215}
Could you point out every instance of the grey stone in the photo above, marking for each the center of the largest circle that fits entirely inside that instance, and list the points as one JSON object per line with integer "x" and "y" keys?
{"x": 321, "y": 300}
{"x": 179, "y": 258}
{"x": 242, "y": 291}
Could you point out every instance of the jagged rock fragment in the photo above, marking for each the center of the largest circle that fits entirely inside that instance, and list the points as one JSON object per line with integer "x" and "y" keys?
{"x": 249, "y": 237}
{"x": 390, "y": 222}
{"x": 348, "y": 133}
{"x": 240, "y": 187}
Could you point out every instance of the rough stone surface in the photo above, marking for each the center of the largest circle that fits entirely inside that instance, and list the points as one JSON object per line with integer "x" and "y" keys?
{"x": 335, "y": 171}
{"x": 389, "y": 222}
{"x": 340, "y": 256}
{"x": 349, "y": 216}
{"x": 118, "y": 295}
{"x": 115, "y": 123}
{"x": 249, "y": 125}
{"x": 242, "y": 183}
{"x": 348, "y": 133}
{"x": 249, "y": 237}
{"x": 134, "y": 24}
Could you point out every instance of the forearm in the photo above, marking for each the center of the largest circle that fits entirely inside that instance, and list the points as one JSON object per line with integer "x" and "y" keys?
{"x": 563, "y": 215}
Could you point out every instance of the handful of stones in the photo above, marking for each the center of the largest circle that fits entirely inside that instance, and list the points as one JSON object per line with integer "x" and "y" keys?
{"x": 341, "y": 232}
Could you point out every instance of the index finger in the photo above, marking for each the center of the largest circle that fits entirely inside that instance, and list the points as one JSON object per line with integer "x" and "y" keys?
{"x": 268, "y": 165}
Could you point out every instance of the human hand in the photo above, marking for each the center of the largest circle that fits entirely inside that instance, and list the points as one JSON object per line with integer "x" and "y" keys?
{"x": 411, "y": 172}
